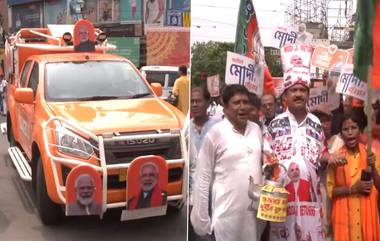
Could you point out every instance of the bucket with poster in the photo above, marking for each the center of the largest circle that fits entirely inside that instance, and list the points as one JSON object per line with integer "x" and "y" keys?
{"x": 270, "y": 199}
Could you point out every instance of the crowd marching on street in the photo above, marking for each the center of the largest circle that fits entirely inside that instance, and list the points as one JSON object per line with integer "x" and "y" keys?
{"x": 330, "y": 196}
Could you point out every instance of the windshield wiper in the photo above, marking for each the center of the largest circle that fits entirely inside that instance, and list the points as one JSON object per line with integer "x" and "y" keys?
{"x": 139, "y": 95}
{"x": 98, "y": 97}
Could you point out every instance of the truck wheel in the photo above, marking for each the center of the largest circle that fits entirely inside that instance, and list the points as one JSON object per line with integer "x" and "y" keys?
{"x": 50, "y": 212}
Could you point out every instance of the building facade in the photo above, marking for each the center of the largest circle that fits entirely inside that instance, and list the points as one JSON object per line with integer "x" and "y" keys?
{"x": 126, "y": 22}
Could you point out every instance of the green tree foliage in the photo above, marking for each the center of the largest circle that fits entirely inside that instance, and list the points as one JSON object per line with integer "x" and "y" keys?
{"x": 274, "y": 64}
{"x": 208, "y": 59}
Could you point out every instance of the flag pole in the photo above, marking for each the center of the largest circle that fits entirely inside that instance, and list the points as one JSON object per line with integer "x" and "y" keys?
{"x": 369, "y": 111}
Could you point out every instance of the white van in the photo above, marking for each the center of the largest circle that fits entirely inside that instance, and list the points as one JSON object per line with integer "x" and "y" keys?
{"x": 165, "y": 75}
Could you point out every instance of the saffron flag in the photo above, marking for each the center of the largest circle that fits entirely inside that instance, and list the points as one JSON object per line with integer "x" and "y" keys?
{"x": 367, "y": 41}
{"x": 248, "y": 41}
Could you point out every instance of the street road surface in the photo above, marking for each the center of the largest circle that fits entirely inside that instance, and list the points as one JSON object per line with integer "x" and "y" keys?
{"x": 19, "y": 220}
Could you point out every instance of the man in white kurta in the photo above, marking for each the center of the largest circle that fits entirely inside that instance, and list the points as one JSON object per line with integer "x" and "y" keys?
{"x": 226, "y": 160}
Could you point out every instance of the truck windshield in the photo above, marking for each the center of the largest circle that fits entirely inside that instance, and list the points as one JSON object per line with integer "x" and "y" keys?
{"x": 93, "y": 80}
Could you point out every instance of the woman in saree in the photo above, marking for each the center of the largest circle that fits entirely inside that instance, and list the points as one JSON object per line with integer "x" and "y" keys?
{"x": 354, "y": 213}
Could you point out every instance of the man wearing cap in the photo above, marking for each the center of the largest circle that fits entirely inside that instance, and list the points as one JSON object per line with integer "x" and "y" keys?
{"x": 298, "y": 133}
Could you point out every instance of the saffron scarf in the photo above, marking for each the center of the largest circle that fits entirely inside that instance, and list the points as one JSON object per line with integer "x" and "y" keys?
{"x": 369, "y": 219}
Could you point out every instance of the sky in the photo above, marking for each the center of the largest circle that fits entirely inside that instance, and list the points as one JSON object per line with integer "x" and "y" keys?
{"x": 216, "y": 19}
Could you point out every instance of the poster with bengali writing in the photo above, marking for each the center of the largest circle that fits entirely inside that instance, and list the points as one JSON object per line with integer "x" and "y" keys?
{"x": 349, "y": 84}
{"x": 295, "y": 60}
{"x": 325, "y": 59}
{"x": 244, "y": 71}
{"x": 318, "y": 97}
{"x": 283, "y": 35}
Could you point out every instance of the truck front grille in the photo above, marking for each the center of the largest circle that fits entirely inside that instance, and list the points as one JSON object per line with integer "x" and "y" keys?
{"x": 125, "y": 151}
{"x": 118, "y": 152}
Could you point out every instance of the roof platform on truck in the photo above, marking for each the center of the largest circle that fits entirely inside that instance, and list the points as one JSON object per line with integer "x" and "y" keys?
{"x": 55, "y": 37}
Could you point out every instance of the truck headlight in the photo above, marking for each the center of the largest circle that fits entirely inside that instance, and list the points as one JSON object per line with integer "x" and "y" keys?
{"x": 72, "y": 144}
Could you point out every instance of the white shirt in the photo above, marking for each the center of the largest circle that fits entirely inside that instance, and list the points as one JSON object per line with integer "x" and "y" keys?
{"x": 196, "y": 140}
{"x": 215, "y": 111}
{"x": 3, "y": 85}
{"x": 197, "y": 137}
{"x": 225, "y": 162}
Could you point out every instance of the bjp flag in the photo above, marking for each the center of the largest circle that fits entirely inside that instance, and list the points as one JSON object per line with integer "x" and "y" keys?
{"x": 367, "y": 41}
{"x": 248, "y": 40}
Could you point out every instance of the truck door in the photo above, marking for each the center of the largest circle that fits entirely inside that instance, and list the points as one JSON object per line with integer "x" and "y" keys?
{"x": 18, "y": 123}
{"x": 28, "y": 109}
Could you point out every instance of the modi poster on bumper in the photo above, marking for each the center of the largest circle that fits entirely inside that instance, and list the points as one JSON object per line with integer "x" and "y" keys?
{"x": 83, "y": 192}
{"x": 244, "y": 71}
{"x": 349, "y": 84}
{"x": 147, "y": 188}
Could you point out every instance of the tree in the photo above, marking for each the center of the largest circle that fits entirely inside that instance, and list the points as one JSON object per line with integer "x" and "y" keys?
{"x": 274, "y": 63}
{"x": 208, "y": 59}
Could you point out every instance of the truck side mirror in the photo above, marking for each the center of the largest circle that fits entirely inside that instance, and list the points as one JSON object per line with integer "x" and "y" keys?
{"x": 157, "y": 88}
{"x": 24, "y": 95}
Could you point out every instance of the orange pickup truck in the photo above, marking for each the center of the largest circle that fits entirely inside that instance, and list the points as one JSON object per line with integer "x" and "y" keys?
{"x": 67, "y": 109}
